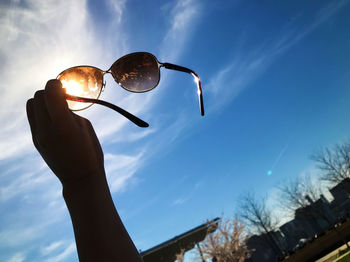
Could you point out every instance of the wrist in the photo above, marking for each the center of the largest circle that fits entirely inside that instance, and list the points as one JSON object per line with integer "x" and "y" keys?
{"x": 88, "y": 186}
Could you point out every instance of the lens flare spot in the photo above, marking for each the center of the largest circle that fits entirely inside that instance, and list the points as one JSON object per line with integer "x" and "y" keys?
{"x": 269, "y": 173}
{"x": 72, "y": 87}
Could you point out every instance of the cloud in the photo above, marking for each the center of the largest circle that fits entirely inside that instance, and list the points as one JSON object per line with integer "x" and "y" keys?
{"x": 18, "y": 257}
{"x": 296, "y": 34}
{"x": 39, "y": 39}
{"x": 120, "y": 169}
{"x": 117, "y": 9}
{"x": 136, "y": 136}
{"x": 69, "y": 250}
{"x": 19, "y": 236}
{"x": 183, "y": 14}
{"x": 18, "y": 180}
{"x": 242, "y": 70}
{"x": 180, "y": 201}
{"x": 184, "y": 199}
{"x": 50, "y": 248}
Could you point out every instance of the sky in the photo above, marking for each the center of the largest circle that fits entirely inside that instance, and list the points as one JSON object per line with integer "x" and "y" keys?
{"x": 275, "y": 78}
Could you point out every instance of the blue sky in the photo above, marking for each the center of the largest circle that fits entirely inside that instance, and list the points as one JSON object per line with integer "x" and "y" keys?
{"x": 275, "y": 77}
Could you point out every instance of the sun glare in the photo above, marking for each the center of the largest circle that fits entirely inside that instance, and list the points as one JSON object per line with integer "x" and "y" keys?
{"x": 72, "y": 87}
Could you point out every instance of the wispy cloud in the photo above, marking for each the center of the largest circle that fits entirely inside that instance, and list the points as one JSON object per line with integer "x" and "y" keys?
{"x": 24, "y": 182}
{"x": 117, "y": 9}
{"x": 18, "y": 257}
{"x": 136, "y": 136}
{"x": 69, "y": 250}
{"x": 19, "y": 236}
{"x": 243, "y": 69}
{"x": 35, "y": 47}
{"x": 50, "y": 248}
{"x": 120, "y": 169}
{"x": 180, "y": 201}
{"x": 182, "y": 19}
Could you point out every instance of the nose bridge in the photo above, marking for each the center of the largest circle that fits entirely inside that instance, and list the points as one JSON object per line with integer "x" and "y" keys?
{"x": 109, "y": 71}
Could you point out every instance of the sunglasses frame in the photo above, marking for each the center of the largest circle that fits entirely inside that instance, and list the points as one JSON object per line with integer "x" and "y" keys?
{"x": 123, "y": 112}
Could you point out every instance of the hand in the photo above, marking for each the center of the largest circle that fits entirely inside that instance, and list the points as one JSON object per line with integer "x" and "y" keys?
{"x": 66, "y": 141}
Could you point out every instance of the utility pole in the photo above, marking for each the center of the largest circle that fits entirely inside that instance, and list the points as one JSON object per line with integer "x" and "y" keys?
{"x": 200, "y": 252}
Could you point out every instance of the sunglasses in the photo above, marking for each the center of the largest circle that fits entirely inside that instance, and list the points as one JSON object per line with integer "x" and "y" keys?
{"x": 136, "y": 72}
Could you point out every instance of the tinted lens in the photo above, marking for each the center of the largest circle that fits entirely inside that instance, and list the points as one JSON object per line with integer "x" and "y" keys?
{"x": 83, "y": 81}
{"x": 136, "y": 72}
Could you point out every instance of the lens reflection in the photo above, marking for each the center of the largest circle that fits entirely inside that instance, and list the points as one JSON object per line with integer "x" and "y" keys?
{"x": 137, "y": 72}
{"x": 83, "y": 81}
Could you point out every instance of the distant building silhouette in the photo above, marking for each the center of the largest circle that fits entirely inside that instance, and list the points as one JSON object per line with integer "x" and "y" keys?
{"x": 341, "y": 194}
{"x": 314, "y": 219}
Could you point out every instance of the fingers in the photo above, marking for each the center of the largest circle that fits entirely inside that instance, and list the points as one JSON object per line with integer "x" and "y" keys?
{"x": 30, "y": 114}
{"x": 56, "y": 102}
{"x": 42, "y": 117}
{"x": 31, "y": 119}
{"x": 46, "y": 108}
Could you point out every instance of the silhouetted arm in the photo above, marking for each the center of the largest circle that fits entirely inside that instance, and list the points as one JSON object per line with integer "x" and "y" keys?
{"x": 68, "y": 144}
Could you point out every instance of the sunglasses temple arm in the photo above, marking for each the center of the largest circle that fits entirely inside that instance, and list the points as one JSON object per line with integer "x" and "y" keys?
{"x": 196, "y": 77}
{"x": 121, "y": 111}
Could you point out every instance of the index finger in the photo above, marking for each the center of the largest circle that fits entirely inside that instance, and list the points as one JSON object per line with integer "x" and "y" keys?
{"x": 31, "y": 120}
{"x": 56, "y": 103}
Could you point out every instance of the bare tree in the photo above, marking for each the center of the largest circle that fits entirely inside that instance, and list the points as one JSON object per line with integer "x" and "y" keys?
{"x": 258, "y": 216}
{"x": 334, "y": 162}
{"x": 227, "y": 243}
{"x": 297, "y": 193}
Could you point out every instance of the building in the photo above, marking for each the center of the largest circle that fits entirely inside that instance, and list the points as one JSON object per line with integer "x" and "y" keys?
{"x": 309, "y": 221}
{"x": 341, "y": 194}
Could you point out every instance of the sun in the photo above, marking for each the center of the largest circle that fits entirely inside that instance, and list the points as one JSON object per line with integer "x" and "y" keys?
{"x": 72, "y": 87}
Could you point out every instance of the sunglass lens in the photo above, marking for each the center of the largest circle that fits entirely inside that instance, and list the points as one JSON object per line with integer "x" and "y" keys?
{"x": 82, "y": 81}
{"x": 136, "y": 72}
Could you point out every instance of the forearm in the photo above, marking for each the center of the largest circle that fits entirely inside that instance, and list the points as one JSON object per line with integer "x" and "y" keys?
{"x": 99, "y": 231}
